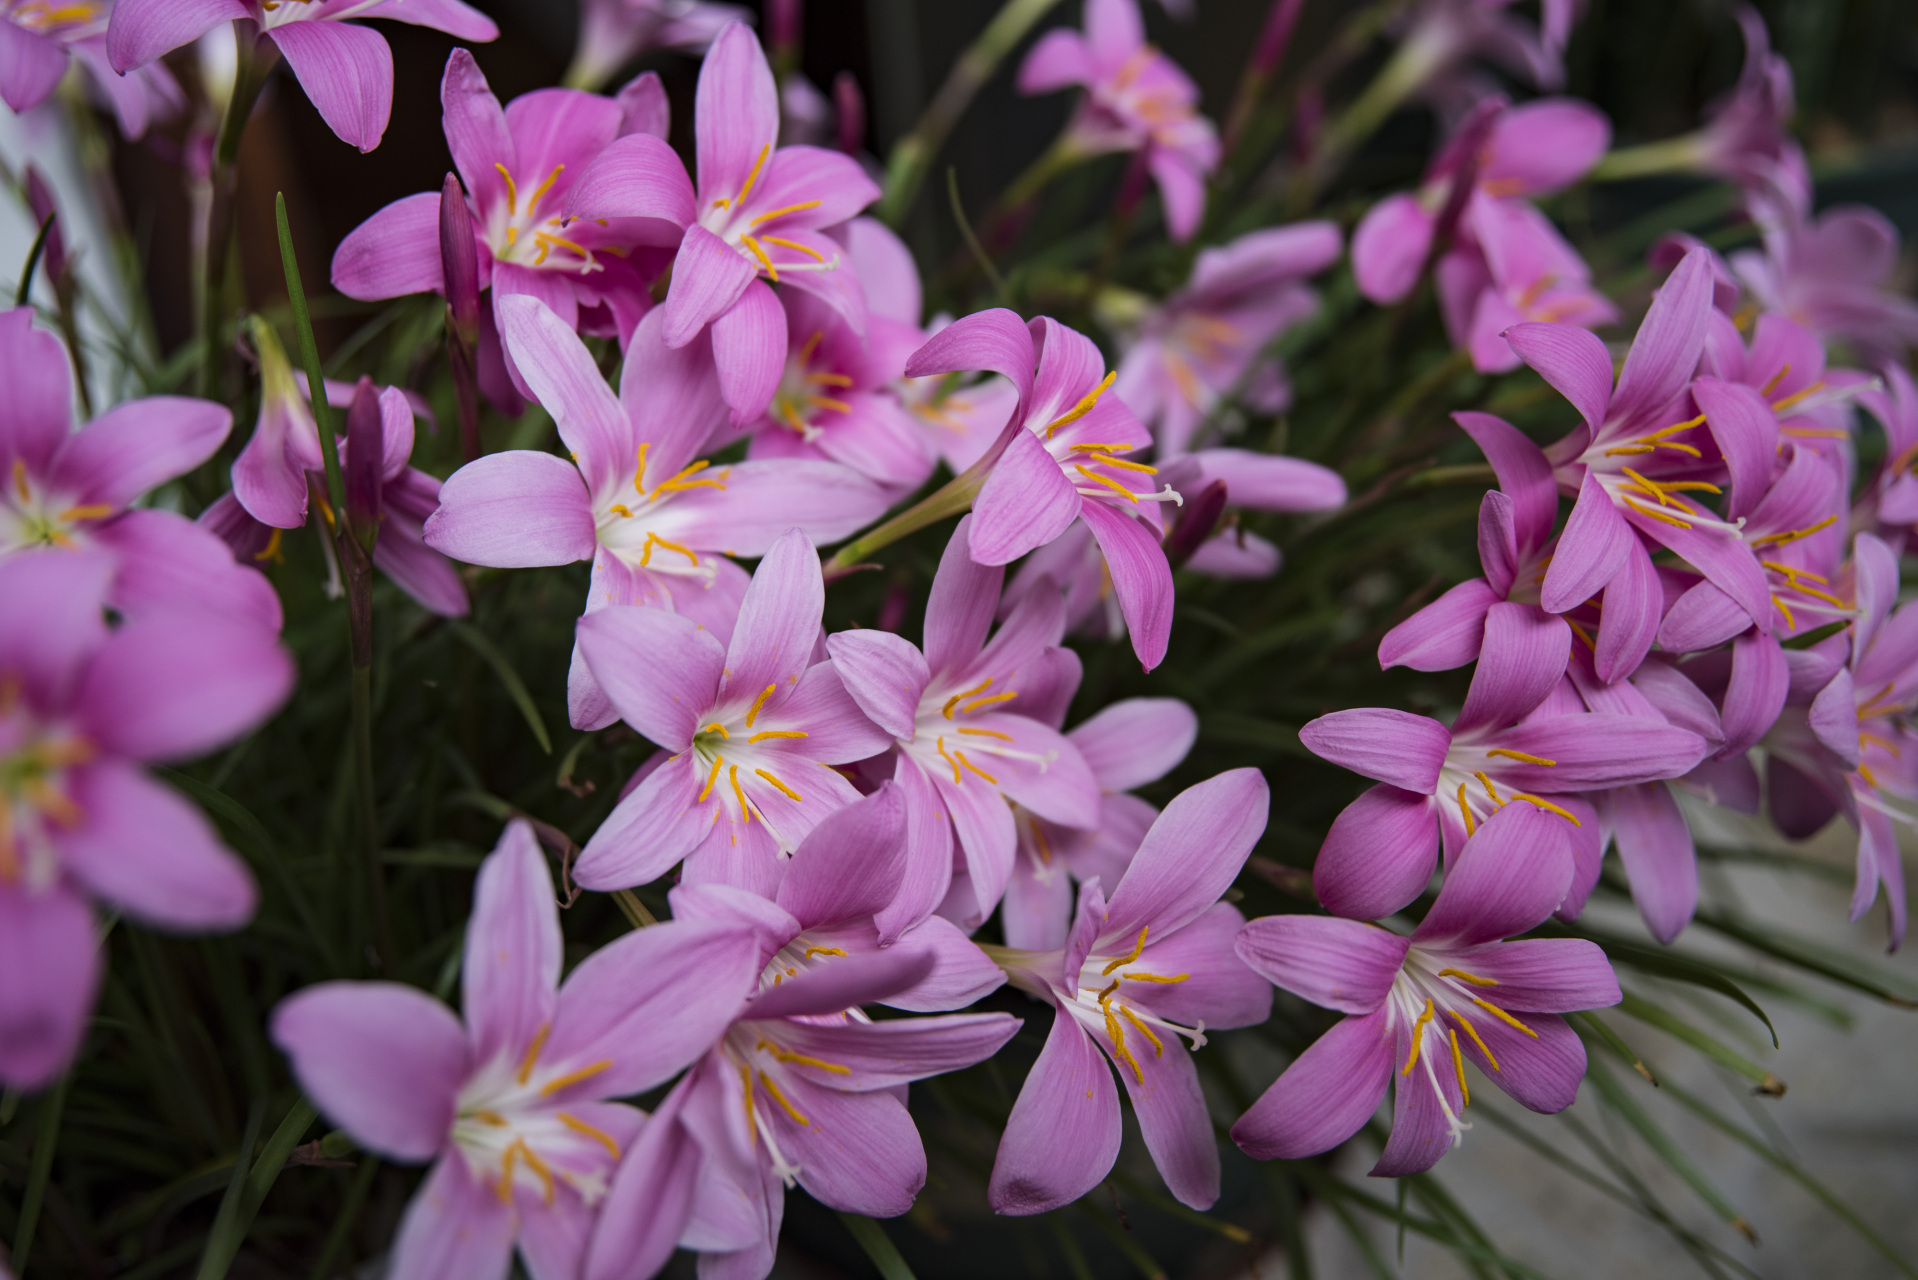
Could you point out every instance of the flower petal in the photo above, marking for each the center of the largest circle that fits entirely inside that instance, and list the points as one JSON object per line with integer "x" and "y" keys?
{"x": 651, "y": 1197}
{"x": 637, "y": 176}
{"x": 49, "y": 972}
{"x": 857, "y": 1152}
{"x": 139, "y": 445}
{"x": 1541, "y": 1073}
{"x": 514, "y": 510}
{"x": 1141, "y": 577}
{"x": 735, "y": 113}
{"x": 141, "y": 30}
{"x": 1063, "y": 1134}
{"x": 393, "y": 253}
{"x": 749, "y": 350}
{"x": 647, "y": 832}
{"x": 660, "y": 669}
{"x": 1025, "y": 503}
{"x": 778, "y": 626}
{"x": 456, "y": 1228}
{"x": 1191, "y": 855}
{"x": 1545, "y": 975}
{"x": 171, "y": 686}
{"x": 347, "y": 72}
{"x": 1388, "y": 745}
{"x": 513, "y": 948}
{"x": 565, "y": 382}
{"x": 1760, "y": 682}
{"x": 1665, "y": 352}
{"x": 884, "y": 1055}
{"x": 144, "y": 849}
{"x": 1324, "y": 1097}
{"x": 1573, "y": 360}
{"x": 1379, "y": 854}
{"x": 1524, "y": 473}
{"x": 884, "y": 673}
{"x": 1135, "y": 741}
{"x": 1389, "y": 248}
{"x": 1522, "y": 660}
{"x": 1444, "y": 634}
{"x": 848, "y": 981}
{"x": 1336, "y": 964}
{"x": 37, "y": 413}
{"x": 1510, "y": 876}
{"x": 708, "y": 278}
{"x": 1595, "y": 543}
{"x": 851, "y": 864}
{"x": 994, "y": 339}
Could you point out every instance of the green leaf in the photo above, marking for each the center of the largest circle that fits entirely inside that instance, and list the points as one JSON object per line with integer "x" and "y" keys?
{"x": 1809, "y": 638}
{"x": 1828, "y": 962}
{"x": 1671, "y": 1024}
{"x": 878, "y": 1246}
{"x": 515, "y": 687}
{"x": 310, "y": 358}
{"x": 46, "y": 1137}
{"x": 248, "y": 1190}
{"x": 1669, "y": 964}
{"x": 1617, "y": 1045}
{"x": 1661, "y": 1143}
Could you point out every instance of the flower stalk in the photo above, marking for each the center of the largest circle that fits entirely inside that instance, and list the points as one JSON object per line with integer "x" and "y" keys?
{"x": 254, "y": 62}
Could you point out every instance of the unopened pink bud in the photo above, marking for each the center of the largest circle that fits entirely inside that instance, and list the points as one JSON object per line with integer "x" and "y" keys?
{"x": 459, "y": 259}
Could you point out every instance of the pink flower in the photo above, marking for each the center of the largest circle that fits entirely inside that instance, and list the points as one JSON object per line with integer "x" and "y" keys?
{"x": 657, "y": 522}
{"x": 804, "y": 1088}
{"x": 753, "y": 725}
{"x": 346, "y": 69}
{"x": 518, "y": 165}
{"x": 758, "y": 210}
{"x": 82, "y": 708}
{"x": 1746, "y": 138}
{"x": 1136, "y": 99}
{"x": 1832, "y": 274}
{"x": 511, "y": 1105}
{"x": 1418, "y": 1008}
{"x": 614, "y": 32}
{"x": 37, "y": 39}
{"x": 970, "y": 721}
{"x": 281, "y": 465}
{"x": 65, "y": 491}
{"x": 1061, "y": 456}
{"x": 1203, "y": 342}
{"x": 1139, "y": 972}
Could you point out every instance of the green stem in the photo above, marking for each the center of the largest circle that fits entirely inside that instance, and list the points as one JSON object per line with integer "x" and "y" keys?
{"x": 254, "y": 60}
{"x": 349, "y": 1217}
{"x": 46, "y": 1136}
{"x": 1673, "y": 155}
{"x": 913, "y": 154}
{"x": 369, "y": 814}
{"x": 25, "y": 291}
{"x": 951, "y": 499}
{"x": 310, "y": 358}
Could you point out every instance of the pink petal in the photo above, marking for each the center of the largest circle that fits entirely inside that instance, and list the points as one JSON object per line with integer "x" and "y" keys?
{"x": 637, "y": 176}
{"x": 1379, "y": 854}
{"x": 1181, "y": 184}
{"x": 708, "y": 278}
{"x": 1191, "y": 855}
{"x": 1336, "y": 964}
{"x": 49, "y": 971}
{"x": 1760, "y": 682}
{"x": 461, "y": 21}
{"x": 858, "y": 1152}
{"x": 172, "y": 686}
{"x": 167, "y": 562}
{"x": 1173, "y": 1120}
{"x": 735, "y": 113}
{"x": 671, "y": 396}
{"x": 513, "y": 948}
{"x": 476, "y": 131}
{"x": 647, "y": 832}
{"x": 422, "y": 573}
{"x": 1745, "y": 430}
{"x": 1524, "y": 473}
{"x": 55, "y": 622}
{"x": 347, "y": 72}
{"x": 1590, "y": 551}
{"x": 1545, "y": 975}
{"x": 1267, "y": 483}
{"x": 139, "y": 445}
{"x": 1135, "y": 741}
{"x": 1656, "y": 847}
{"x": 1634, "y": 605}
{"x": 514, "y": 510}
{"x": 141, "y": 30}
{"x": 961, "y": 975}
{"x": 778, "y": 624}
{"x": 650, "y": 1199}
{"x": 1508, "y": 879}
{"x": 1543, "y": 1073}
{"x": 1573, "y": 360}
{"x": 1671, "y": 337}
{"x": 860, "y": 978}
{"x": 994, "y": 339}
{"x": 393, "y": 253}
{"x": 884, "y": 1055}
{"x": 1063, "y": 1134}
{"x": 1037, "y": 901}
{"x": 660, "y": 669}
{"x": 851, "y": 864}
{"x": 31, "y": 66}
{"x": 801, "y": 175}
{"x": 1392, "y": 746}
{"x": 1141, "y": 577}
{"x": 929, "y": 839}
{"x": 1222, "y": 991}
{"x": 961, "y": 604}
{"x": 1324, "y": 1097}
{"x": 983, "y": 824}
{"x": 839, "y": 732}
{"x": 1541, "y": 146}
{"x": 456, "y": 1227}
{"x": 37, "y": 413}
{"x": 1059, "y": 60}
{"x": 383, "y": 1061}
{"x": 644, "y": 107}
{"x": 146, "y": 850}
{"x": 1389, "y": 247}
{"x": 1026, "y": 503}
{"x": 763, "y": 500}
{"x": 1721, "y": 556}
{"x": 1444, "y": 634}
{"x": 565, "y": 382}
{"x": 884, "y": 673}
{"x": 749, "y": 350}
{"x": 1596, "y": 750}
{"x": 1522, "y": 660}
{"x": 886, "y": 270}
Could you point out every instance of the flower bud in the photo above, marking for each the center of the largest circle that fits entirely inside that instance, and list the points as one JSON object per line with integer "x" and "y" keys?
{"x": 459, "y": 260}
{"x": 1197, "y": 519}
{"x": 364, "y": 451}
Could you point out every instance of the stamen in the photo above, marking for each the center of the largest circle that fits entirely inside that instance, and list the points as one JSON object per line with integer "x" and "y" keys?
{"x": 90, "y": 511}
{"x": 1117, "y": 1035}
{"x": 780, "y": 1098}
{"x": 20, "y": 485}
{"x": 1577, "y": 630}
{"x": 272, "y": 550}
{"x": 620, "y": 509}
{"x": 764, "y": 734}
{"x": 586, "y": 1130}
{"x": 532, "y": 1052}
{"x": 493, "y": 1118}
{"x": 752, "y": 175}
{"x": 679, "y": 481}
{"x": 745, "y": 810}
{"x": 512, "y": 192}
{"x": 1772, "y": 386}
{"x": 1138, "y": 949}
{"x": 787, "y": 1055}
{"x": 1660, "y": 434}
{"x": 639, "y": 472}
{"x": 1786, "y": 610}
{"x": 720, "y": 729}
{"x": 1780, "y": 539}
{"x": 504, "y": 1189}
{"x": 1472, "y": 1031}
{"x": 710, "y": 779}
{"x": 986, "y": 733}
{"x": 1522, "y": 757}
{"x": 1543, "y": 803}
{"x": 957, "y": 697}
{"x": 538, "y": 1166}
{"x": 1490, "y": 790}
{"x": 782, "y": 212}
{"x": 1504, "y": 1017}
{"x": 1792, "y": 399}
{"x": 1085, "y": 405}
{"x": 1418, "y": 1037}
{"x": 764, "y": 261}
{"x": 960, "y": 756}
{"x": 1472, "y": 978}
{"x": 1158, "y": 1047}
{"x": 790, "y": 793}
{"x": 1174, "y": 980}
{"x": 1465, "y": 812}
{"x": 532, "y": 201}
{"x": 752, "y": 1124}
{"x": 1654, "y": 513}
{"x": 989, "y": 699}
{"x": 957, "y": 777}
{"x": 766, "y": 693}
{"x": 806, "y": 249}
{"x": 825, "y": 379}
{"x": 1458, "y": 1065}
{"x": 823, "y": 951}
{"x": 828, "y": 402}
{"x": 1108, "y": 482}
{"x": 571, "y": 1078}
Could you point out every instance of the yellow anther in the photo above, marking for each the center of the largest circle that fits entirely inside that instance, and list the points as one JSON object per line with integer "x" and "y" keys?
{"x": 1458, "y": 1065}
{"x": 784, "y": 210}
{"x": 1772, "y": 386}
{"x": 1864, "y": 771}
{"x": 532, "y": 1052}
{"x": 1676, "y": 427}
{"x": 1547, "y": 805}
{"x": 1465, "y": 812}
{"x": 1504, "y": 1017}
{"x": 765, "y": 262}
{"x": 1579, "y": 631}
{"x": 532, "y": 201}
{"x": 1472, "y": 978}
{"x": 1174, "y": 980}
{"x": 986, "y": 733}
{"x": 1158, "y": 1048}
{"x": 956, "y": 698}
{"x": 1083, "y": 407}
{"x": 1490, "y": 790}
{"x": 787, "y": 1055}
{"x": 1521, "y": 756}
{"x": 764, "y": 734}
{"x": 1796, "y": 396}
{"x": 679, "y": 481}
{"x": 745, "y": 810}
{"x": 621, "y": 510}
{"x": 1117, "y": 1035}
{"x": 752, "y": 175}
{"x": 752, "y": 1122}
{"x": 806, "y": 249}
{"x": 1418, "y": 1038}
{"x": 780, "y": 1098}
{"x": 1780, "y": 539}
{"x": 957, "y": 776}
{"x": 1785, "y": 609}
{"x": 538, "y": 1166}
{"x": 788, "y": 791}
{"x": 829, "y": 402}
{"x": 720, "y": 729}
{"x": 1654, "y": 513}
{"x": 90, "y": 511}
{"x": 272, "y": 550}
{"x": 823, "y": 951}
{"x": 989, "y": 699}
{"x": 504, "y": 1188}
{"x": 639, "y": 472}
{"x": 572, "y": 1078}
{"x": 598, "y": 1135}
{"x": 1138, "y": 949}
{"x": 512, "y": 192}
{"x": 960, "y": 756}
{"x": 1472, "y": 1031}
{"x": 710, "y": 779}
{"x": 1108, "y": 482}
{"x": 493, "y": 1118}
{"x": 826, "y": 379}
{"x": 759, "y": 702}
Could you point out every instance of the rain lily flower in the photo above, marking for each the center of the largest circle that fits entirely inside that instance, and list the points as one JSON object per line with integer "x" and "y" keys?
{"x": 1127, "y": 744}
{"x": 1153, "y": 964}
{"x": 1441, "y": 34}
{"x": 1746, "y": 140}
{"x": 835, "y": 400}
{"x": 1202, "y": 343}
{"x": 511, "y": 1103}
{"x": 345, "y": 69}
{"x": 967, "y": 722}
{"x": 1513, "y": 266}
{"x": 1634, "y": 466}
{"x": 614, "y": 32}
{"x": 803, "y": 1088}
{"x": 1841, "y": 748}
{"x": 1832, "y": 274}
{"x": 82, "y": 708}
{"x": 518, "y": 164}
{"x": 1418, "y": 1008}
{"x": 1063, "y": 455}
{"x": 39, "y": 37}
{"x": 64, "y": 491}
{"x": 758, "y": 210}
{"x": 1513, "y": 740}
{"x": 1136, "y": 99}
{"x": 1895, "y": 406}
{"x": 656, "y": 520}
{"x": 754, "y": 727}
{"x": 281, "y": 466}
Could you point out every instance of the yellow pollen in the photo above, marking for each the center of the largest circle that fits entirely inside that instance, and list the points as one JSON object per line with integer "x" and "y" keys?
{"x": 987, "y": 733}
{"x": 710, "y": 779}
{"x": 806, "y": 249}
{"x": 1785, "y": 609}
{"x": 1660, "y": 434}
{"x": 788, "y": 791}
{"x": 20, "y": 485}
{"x": 1174, "y": 980}
{"x": 571, "y": 1078}
{"x": 493, "y": 1118}
{"x": 1108, "y": 482}
{"x": 1458, "y": 1065}
{"x": 1138, "y": 949}
{"x": 745, "y": 810}
{"x": 752, "y": 175}
{"x": 654, "y": 540}
{"x": 639, "y": 472}
{"x": 1521, "y": 756}
{"x": 1472, "y": 1031}
{"x": 504, "y": 1189}
{"x": 1117, "y": 1034}
{"x": 538, "y": 1166}
{"x": 1472, "y": 978}
{"x": 764, "y": 734}
{"x": 957, "y": 777}
{"x": 272, "y": 550}
{"x": 598, "y": 1135}
{"x": 956, "y": 698}
{"x": 1792, "y": 399}
{"x": 512, "y": 192}
{"x": 746, "y": 1082}
{"x": 780, "y": 1098}
{"x": 1085, "y": 405}
{"x": 823, "y": 951}
{"x": 532, "y": 201}
{"x": 1655, "y": 513}
{"x": 679, "y": 481}
{"x": 532, "y": 1052}
{"x": 90, "y": 511}
{"x": 1547, "y": 805}
{"x": 1772, "y": 386}
{"x": 620, "y": 509}
{"x": 1490, "y": 790}
{"x": 1864, "y": 771}
{"x": 960, "y": 756}
{"x": 1780, "y": 539}
{"x": 1465, "y": 812}
{"x": 720, "y": 729}
{"x": 1418, "y": 1038}
{"x": 783, "y": 211}
{"x": 787, "y": 1055}
{"x": 989, "y": 699}
{"x": 759, "y": 702}
{"x": 1158, "y": 1048}
{"x": 826, "y": 379}
{"x": 1504, "y": 1017}
{"x": 765, "y": 262}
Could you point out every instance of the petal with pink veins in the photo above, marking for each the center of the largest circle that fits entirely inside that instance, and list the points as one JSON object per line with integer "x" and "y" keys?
{"x": 347, "y": 72}
{"x": 1324, "y": 1097}
{"x": 514, "y": 510}
{"x": 1336, "y": 964}
{"x": 1063, "y": 1134}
